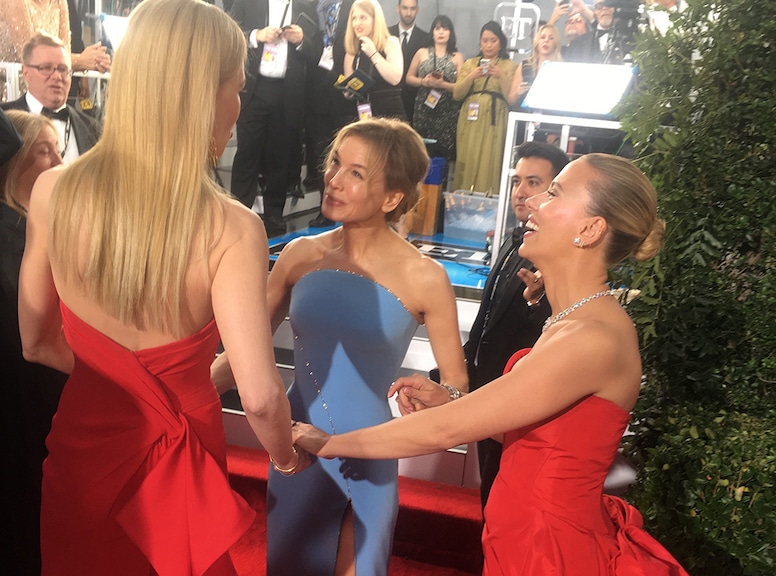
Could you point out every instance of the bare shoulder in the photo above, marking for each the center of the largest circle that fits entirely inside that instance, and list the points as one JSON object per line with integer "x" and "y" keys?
{"x": 40, "y": 198}
{"x": 600, "y": 352}
{"x": 303, "y": 255}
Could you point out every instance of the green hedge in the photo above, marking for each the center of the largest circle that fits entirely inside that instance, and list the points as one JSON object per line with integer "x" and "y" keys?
{"x": 703, "y": 125}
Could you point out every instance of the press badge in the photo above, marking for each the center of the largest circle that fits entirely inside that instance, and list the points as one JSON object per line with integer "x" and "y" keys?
{"x": 327, "y": 58}
{"x": 433, "y": 98}
{"x": 364, "y": 111}
{"x": 270, "y": 54}
{"x": 474, "y": 111}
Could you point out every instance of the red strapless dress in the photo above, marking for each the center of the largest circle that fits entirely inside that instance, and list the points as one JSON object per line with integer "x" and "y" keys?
{"x": 135, "y": 481}
{"x": 547, "y": 514}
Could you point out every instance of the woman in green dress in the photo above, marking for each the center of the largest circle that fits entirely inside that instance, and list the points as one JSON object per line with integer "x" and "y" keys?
{"x": 483, "y": 85}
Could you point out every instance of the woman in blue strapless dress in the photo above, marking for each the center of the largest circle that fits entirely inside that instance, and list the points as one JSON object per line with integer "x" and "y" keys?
{"x": 354, "y": 297}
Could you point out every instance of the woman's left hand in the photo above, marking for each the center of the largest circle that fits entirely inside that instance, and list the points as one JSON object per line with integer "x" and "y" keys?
{"x": 367, "y": 46}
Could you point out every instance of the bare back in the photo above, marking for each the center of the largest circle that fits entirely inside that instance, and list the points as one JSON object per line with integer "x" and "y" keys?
{"x": 198, "y": 279}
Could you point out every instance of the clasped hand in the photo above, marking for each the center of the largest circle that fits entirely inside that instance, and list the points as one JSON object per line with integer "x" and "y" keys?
{"x": 310, "y": 439}
{"x": 269, "y": 35}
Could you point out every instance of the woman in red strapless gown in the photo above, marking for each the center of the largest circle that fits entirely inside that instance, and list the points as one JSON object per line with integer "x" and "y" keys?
{"x": 547, "y": 513}
{"x": 562, "y": 409}
{"x": 136, "y": 265}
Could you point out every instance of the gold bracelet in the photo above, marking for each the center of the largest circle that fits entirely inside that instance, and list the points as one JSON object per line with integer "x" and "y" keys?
{"x": 287, "y": 471}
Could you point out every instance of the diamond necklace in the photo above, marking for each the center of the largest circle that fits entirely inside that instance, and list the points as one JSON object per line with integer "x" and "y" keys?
{"x": 579, "y": 303}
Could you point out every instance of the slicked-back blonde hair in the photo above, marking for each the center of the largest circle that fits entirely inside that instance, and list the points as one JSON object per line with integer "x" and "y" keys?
{"x": 626, "y": 199}
{"x": 140, "y": 198}
{"x": 29, "y": 127}
{"x": 395, "y": 153}
{"x": 379, "y": 33}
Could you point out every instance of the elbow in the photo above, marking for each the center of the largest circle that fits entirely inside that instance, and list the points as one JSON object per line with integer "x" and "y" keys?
{"x": 33, "y": 352}
{"x": 263, "y": 406}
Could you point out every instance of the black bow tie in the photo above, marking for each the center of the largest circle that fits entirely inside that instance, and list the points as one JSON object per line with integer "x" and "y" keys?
{"x": 63, "y": 114}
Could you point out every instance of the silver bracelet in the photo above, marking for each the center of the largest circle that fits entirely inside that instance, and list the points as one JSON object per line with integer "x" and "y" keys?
{"x": 455, "y": 393}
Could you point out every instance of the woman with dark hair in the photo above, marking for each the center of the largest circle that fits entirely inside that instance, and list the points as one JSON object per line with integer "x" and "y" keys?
{"x": 560, "y": 408}
{"x": 433, "y": 71}
{"x": 483, "y": 86}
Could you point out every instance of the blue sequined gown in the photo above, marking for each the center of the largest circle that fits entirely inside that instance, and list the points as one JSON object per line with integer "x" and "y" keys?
{"x": 350, "y": 337}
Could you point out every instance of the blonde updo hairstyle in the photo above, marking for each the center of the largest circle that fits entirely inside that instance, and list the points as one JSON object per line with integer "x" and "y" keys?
{"x": 626, "y": 199}
{"x": 29, "y": 126}
{"x": 395, "y": 153}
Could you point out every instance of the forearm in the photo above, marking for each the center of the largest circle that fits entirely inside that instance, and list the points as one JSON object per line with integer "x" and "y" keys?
{"x": 390, "y": 71}
{"x": 412, "y": 435}
{"x": 413, "y": 80}
{"x": 271, "y": 422}
{"x": 462, "y": 87}
{"x": 221, "y": 374}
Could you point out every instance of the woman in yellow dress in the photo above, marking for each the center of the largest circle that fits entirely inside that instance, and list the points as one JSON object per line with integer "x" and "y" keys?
{"x": 483, "y": 84}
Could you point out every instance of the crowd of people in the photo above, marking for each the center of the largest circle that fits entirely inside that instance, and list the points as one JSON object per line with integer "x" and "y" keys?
{"x": 125, "y": 266}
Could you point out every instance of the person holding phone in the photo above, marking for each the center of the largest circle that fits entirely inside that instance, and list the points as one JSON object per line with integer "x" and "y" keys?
{"x": 369, "y": 47}
{"x": 433, "y": 71}
{"x": 546, "y": 47}
{"x": 280, "y": 50}
{"x": 483, "y": 86}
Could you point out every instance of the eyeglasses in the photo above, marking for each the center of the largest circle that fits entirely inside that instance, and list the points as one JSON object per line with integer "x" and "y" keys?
{"x": 48, "y": 69}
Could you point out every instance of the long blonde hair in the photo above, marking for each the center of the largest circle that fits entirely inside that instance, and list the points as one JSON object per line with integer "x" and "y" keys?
{"x": 533, "y": 57}
{"x": 29, "y": 127}
{"x": 379, "y": 33}
{"x": 143, "y": 194}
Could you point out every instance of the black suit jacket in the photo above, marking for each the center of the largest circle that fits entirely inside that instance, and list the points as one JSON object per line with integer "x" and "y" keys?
{"x": 254, "y": 14}
{"x": 324, "y": 99}
{"x": 85, "y": 128}
{"x": 512, "y": 324}
{"x": 419, "y": 39}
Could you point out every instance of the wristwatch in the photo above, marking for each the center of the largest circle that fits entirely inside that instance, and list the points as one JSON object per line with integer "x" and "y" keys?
{"x": 455, "y": 393}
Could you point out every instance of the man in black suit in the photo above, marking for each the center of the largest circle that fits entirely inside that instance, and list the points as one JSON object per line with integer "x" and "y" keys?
{"x": 327, "y": 109}
{"x": 282, "y": 39}
{"x": 412, "y": 39}
{"x": 592, "y": 47}
{"x": 47, "y": 72}
{"x": 505, "y": 322}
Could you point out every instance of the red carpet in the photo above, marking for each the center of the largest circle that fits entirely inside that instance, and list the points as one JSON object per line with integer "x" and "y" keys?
{"x": 437, "y": 531}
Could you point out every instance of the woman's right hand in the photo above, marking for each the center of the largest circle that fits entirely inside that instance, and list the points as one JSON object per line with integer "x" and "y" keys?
{"x": 367, "y": 46}
{"x": 309, "y": 438}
